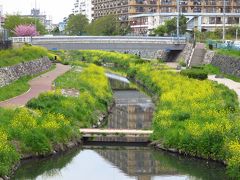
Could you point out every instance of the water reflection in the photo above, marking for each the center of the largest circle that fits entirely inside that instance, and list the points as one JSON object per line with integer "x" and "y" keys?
{"x": 119, "y": 163}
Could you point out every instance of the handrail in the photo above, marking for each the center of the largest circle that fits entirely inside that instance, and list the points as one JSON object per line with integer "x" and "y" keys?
{"x": 104, "y": 39}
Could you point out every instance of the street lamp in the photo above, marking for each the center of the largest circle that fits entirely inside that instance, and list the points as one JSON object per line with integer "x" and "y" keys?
{"x": 178, "y": 12}
{"x": 224, "y": 19}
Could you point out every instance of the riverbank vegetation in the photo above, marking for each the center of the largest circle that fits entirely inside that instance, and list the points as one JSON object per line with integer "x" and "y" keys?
{"x": 229, "y": 52}
{"x": 18, "y": 87}
{"x": 22, "y": 54}
{"x": 38, "y": 131}
{"x": 199, "y": 118}
{"x": 91, "y": 95}
{"x": 14, "y": 89}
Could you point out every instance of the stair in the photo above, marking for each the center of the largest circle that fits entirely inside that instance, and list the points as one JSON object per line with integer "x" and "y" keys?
{"x": 198, "y": 55}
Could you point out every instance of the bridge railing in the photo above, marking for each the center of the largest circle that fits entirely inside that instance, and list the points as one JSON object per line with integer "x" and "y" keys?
{"x": 101, "y": 39}
{"x": 22, "y": 39}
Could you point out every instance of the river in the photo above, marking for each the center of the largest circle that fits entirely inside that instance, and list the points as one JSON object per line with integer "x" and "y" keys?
{"x": 95, "y": 161}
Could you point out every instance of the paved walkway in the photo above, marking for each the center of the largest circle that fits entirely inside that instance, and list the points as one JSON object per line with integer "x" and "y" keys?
{"x": 227, "y": 82}
{"x": 38, "y": 85}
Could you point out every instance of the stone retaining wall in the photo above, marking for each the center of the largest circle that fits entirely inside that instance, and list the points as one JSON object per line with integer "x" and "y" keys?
{"x": 208, "y": 57}
{"x": 186, "y": 53}
{"x": 228, "y": 65}
{"x": 12, "y": 73}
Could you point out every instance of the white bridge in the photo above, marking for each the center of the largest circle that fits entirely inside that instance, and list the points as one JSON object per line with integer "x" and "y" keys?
{"x": 145, "y": 46}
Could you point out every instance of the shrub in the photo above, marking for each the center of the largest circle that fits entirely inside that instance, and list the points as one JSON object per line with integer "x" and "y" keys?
{"x": 195, "y": 74}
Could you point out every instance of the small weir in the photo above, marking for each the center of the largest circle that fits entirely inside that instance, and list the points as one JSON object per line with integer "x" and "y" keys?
{"x": 111, "y": 154}
{"x": 130, "y": 118}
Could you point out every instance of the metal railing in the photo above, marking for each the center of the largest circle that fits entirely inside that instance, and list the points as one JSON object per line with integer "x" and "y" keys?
{"x": 231, "y": 45}
{"x": 101, "y": 39}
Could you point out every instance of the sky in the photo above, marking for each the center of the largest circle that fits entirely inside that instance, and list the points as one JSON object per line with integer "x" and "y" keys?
{"x": 55, "y": 9}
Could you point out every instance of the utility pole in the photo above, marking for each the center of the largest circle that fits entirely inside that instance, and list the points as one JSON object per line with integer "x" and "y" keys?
{"x": 224, "y": 19}
{"x": 237, "y": 33}
{"x": 178, "y": 12}
{"x": 35, "y": 14}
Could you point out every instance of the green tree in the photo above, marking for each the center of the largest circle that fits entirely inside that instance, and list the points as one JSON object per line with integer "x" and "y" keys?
{"x": 170, "y": 26}
{"x": 232, "y": 31}
{"x": 76, "y": 24}
{"x": 12, "y": 21}
{"x": 160, "y": 30}
{"x": 107, "y": 26}
{"x": 55, "y": 31}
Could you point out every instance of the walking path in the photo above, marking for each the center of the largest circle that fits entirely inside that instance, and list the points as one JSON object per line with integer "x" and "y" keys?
{"x": 227, "y": 82}
{"x": 38, "y": 85}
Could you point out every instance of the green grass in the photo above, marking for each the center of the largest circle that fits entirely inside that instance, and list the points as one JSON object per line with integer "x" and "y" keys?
{"x": 210, "y": 69}
{"x": 23, "y": 54}
{"x": 18, "y": 87}
{"x": 54, "y": 119}
{"x": 95, "y": 95}
{"x": 14, "y": 89}
{"x": 229, "y": 52}
{"x": 199, "y": 118}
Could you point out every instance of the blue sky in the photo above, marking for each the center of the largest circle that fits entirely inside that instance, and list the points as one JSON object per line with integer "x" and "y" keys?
{"x": 56, "y": 9}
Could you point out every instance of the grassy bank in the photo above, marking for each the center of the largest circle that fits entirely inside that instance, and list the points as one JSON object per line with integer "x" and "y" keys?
{"x": 14, "y": 89}
{"x": 94, "y": 96}
{"x": 195, "y": 117}
{"x": 18, "y": 87}
{"x": 23, "y": 54}
{"x": 54, "y": 119}
{"x": 229, "y": 52}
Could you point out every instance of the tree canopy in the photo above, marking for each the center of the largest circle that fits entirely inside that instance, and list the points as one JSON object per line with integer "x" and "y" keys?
{"x": 107, "y": 26}
{"x": 170, "y": 27}
{"x": 76, "y": 24}
{"x": 12, "y": 21}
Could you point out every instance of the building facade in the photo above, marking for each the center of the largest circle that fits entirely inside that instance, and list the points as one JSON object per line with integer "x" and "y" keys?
{"x": 202, "y": 14}
{"x": 83, "y": 7}
{"x": 123, "y": 8}
{"x": 1, "y": 16}
{"x": 36, "y": 13}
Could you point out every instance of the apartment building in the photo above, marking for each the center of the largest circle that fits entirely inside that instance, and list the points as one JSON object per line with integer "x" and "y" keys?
{"x": 46, "y": 21}
{"x": 1, "y": 16}
{"x": 202, "y": 14}
{"x": 83, "y": 7}
{"x": 123, "y": 8}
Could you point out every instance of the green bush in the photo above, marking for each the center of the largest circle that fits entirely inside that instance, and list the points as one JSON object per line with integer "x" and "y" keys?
{"x": 195, "y": 74}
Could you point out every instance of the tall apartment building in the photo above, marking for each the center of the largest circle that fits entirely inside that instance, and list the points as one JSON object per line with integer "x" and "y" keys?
{"x": 83, "y": 7}
{"x": 123, "y": 8}
{"x": 201, "y": 14}
{"x": 1, "y": 16}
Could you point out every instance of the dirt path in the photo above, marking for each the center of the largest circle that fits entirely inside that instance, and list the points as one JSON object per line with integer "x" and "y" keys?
{"x": 227, "y": 82}
{"x": 38, "y": 85}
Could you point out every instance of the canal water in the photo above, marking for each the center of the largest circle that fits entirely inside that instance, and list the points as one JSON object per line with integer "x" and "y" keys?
{"x": 132, "y": 110}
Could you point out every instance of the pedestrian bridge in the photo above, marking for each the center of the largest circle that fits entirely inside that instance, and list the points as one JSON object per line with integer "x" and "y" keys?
{"x": 116, "y": 135}
{"x": 142, "y": 45}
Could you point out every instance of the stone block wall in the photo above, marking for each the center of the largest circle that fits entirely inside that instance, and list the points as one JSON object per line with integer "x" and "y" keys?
{"x": 186, "y": 53}
{"x": 208, "y": 57}
{"x": 227, "y": 65}
{"x": 12, "y": 73}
